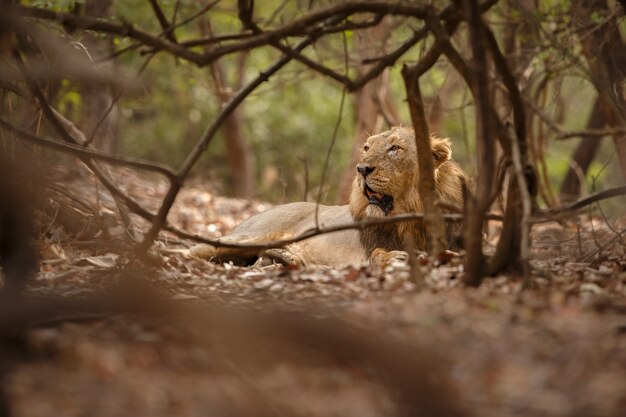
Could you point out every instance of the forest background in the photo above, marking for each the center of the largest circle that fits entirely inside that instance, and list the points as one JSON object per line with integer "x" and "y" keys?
{"x": 285, "y": 128}
{"x": 106, "y": 106}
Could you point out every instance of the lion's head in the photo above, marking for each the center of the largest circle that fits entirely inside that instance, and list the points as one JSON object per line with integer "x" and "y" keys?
{"x": 386, "y": 181}
{"x": 387, "y": 174}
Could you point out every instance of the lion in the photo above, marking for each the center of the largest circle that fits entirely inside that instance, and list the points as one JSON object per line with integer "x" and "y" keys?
{"x": 385, "y": 185}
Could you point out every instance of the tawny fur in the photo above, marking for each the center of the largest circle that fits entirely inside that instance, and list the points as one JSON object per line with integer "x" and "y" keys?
{"x": 396, "y": 173}
{"x": 393, "y": 157}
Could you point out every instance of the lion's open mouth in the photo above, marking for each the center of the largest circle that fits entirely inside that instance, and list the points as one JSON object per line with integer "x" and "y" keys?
{"x": 384, "y": 201}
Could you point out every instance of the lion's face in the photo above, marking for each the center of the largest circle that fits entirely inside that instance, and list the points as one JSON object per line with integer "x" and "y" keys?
{"x": 387, "y": 174}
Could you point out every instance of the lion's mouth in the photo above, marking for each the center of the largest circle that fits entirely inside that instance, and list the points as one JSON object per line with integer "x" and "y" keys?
{"x": 384, "y": 201}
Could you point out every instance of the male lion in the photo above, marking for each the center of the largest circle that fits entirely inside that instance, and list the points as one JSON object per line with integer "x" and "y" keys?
{"x": 385, "y": 185}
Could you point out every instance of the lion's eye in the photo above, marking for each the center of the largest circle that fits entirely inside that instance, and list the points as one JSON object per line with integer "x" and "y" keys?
{"x": 366, "y": 148}
{"x": 393, "y": 148}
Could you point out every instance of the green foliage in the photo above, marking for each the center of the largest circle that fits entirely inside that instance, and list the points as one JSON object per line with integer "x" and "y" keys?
{"x": 291, "y": 118}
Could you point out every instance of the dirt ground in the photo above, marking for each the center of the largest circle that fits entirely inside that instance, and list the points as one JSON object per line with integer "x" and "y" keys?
{"x": 557, "y": 349}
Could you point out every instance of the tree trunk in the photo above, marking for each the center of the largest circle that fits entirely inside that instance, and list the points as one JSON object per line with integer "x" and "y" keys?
{"x": 433, "y": 217}
{"x": 604, "y": 51}
{"x": 485, "y": 150}
{"x": 368, "y": 121}
{"x": 582, "y": 157}
{"x": 239, "y": 156}
{"x": 373, "y": 104}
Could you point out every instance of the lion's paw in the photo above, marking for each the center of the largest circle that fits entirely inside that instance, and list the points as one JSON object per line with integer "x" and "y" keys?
{"x": 202, "y": 251}
{"x": 283, "y": 256}
{"x": 382, "y": 258}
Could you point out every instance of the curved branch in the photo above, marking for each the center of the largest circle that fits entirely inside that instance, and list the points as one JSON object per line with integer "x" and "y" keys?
{"x": 570, "y": 209}
{"x": 82, "y": 152}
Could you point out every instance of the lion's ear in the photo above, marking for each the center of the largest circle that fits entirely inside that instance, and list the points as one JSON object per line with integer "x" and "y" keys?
{"x": 441, "y": 150}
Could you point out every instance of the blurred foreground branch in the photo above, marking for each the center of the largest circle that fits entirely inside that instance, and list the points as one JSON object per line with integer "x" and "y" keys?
{"x": 230, "y": 332}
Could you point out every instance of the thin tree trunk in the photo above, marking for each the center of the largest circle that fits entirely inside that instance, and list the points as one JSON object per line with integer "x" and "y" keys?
{"x": 485, "y": 151}
{"x": 373, "y": 105}
{"x": 239, "y": 156}
{"x": 368, "y": 121}
{"x": 603, "y": 49}
{"x": 582, "y": 157}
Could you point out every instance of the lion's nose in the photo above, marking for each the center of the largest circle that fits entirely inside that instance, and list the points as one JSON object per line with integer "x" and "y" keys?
{"x": 364, "y": 170}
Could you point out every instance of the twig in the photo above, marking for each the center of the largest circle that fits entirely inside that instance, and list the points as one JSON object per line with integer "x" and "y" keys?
{"x": 580, "y": 243}
{"x": 72, "y": 135}
{"x": 170, "y": 29}
{"x": 600, "y": 248}
{"x": 103, "y": 117}
{"x": 165, "y": 25}
{"x": 334, "y": 137}
{"x": 217, "y": 39}
{"x": 562, "y": 134}
{"x": 199, "y": 13}
{"x": 591, "y": 132}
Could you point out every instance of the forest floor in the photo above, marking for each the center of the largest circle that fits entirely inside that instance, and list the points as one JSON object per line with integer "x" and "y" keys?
{"x": 557, "y": 349}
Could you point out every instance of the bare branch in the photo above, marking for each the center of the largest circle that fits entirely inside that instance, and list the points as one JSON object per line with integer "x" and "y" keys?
{"x": 203, "y": 143}
{"x": 100, "y": 25}
{"x": 360, "y": 225}
{"x": 165, "y": 25}
{"x": 571, "y": 209}
{"x": 82, "y": 152}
